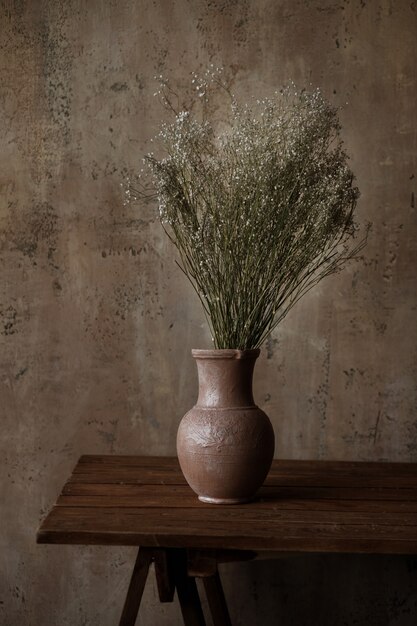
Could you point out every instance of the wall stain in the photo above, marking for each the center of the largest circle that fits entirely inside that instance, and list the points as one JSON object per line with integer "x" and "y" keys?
{"x": 119, "y": 86}
{"x": 21, "y": 373}
{"x": 57, "y": 67}
{"x": 271, "y": 344}
{"x": 34, "y": 230}
{"x": 393, "y": 248}
{"x": 351, "y": 376}
{"x": 9, "y": 321}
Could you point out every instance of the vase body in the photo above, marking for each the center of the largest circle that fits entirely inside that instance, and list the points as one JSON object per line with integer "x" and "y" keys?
{"x": 225, "y": 443}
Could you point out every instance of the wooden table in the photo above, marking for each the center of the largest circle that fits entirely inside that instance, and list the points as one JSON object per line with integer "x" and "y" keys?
{"x": 304, "y": 506}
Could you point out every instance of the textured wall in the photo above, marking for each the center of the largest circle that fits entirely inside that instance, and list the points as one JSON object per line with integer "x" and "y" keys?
{"x": 96, "y": 322}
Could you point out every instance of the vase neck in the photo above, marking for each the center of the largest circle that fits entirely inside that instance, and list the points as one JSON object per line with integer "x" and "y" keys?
{"x": 225, "y": 380}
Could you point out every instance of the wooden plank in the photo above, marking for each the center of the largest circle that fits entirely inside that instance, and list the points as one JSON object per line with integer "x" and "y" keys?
{"x": 344, "y": 474}
{"x": 229, "y": 518}
{"x": 135, "y": 478}
{"x": 320, "y": 474}
{"x": 164, "y": 529}
{"x": 278, "y": 465}
{"x": 124, "y": 459}
{"x": 266, "y": 493}
{"x": 79, "y": 489}
{"x": 283, "y": 544}
{"x": 338, "y": 493}
{"x": 132, "y": 463}
{"x": 302, "y": 466}
{"x": 322, "y": 478}
{"x": 186, "y": 501}
{"x": 258, "y": 543}
{"x": 150, "y": 477}
{"x": 130, "y": 476}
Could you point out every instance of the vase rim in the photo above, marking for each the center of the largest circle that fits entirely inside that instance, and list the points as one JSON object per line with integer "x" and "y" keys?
{"x": 225, "y": 353}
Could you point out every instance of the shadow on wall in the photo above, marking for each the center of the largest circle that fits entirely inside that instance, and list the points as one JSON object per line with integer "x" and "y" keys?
{"x": 324, "y": 590}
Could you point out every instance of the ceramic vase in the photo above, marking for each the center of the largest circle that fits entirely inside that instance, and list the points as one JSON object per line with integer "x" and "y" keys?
{"x": 225, "y": 443}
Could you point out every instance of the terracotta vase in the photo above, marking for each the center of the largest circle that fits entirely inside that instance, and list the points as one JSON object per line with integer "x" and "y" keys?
{"x": 225, "y": 444}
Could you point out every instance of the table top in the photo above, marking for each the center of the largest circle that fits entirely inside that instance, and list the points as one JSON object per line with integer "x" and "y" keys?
{"x": 304, "y": 506}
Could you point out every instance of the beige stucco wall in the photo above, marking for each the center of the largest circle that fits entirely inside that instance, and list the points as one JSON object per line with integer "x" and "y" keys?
{"x": 97, "y": 323}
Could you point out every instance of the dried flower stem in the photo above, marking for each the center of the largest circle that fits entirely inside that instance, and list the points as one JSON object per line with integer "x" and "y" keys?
{"x": 259, "y": 213}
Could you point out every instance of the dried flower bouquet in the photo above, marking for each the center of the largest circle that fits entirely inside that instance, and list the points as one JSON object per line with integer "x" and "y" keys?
{"x": 260, "y": 208}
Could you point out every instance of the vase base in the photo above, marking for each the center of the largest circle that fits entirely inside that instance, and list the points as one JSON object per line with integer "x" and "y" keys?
{"x": 208, "y": 500}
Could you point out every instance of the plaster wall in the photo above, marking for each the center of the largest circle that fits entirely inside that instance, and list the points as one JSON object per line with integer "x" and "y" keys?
{"x": 97, "y": 324}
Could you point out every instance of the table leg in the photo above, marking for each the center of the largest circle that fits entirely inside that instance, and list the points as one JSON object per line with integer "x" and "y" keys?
{"x": 172, "y": 573}
{"x": 192, "y": 612}
{"x": 216, "y": 600}
{"x": 164, "y": 575}
{"x": 204, "y": 564}
{"x": 136, "y": 587}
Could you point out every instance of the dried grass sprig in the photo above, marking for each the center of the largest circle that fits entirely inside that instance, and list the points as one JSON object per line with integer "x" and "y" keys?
{"x": 259, "y": 212}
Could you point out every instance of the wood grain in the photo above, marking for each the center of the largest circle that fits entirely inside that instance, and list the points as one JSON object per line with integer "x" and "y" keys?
{"x": 312, "y": 506}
